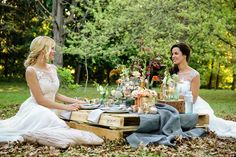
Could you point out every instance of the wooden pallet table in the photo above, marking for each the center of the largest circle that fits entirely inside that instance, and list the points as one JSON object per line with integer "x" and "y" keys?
{"x": 115, "y": 126}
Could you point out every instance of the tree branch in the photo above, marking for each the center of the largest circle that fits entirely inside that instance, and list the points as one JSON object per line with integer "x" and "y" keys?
{"x": 44, "y": 8}
{"x": 8, "y": 6}
{"x": 225, "y": 41}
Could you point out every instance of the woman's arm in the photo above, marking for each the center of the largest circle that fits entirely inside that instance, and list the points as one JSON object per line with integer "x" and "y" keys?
{"x": 195, "y": 86}
{"x": 64, "y": 98}
{"x": 33, "y": 84}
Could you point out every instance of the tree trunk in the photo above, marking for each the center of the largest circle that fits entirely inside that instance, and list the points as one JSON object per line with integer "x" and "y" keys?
{"x": 108, "y": 70}
{"x": 234, "y": 82}
{"x": 87, "y": 74}
{"x": 217, "y": 77}
{"x": 209, "y": 85}
{"x": 5, "y": 65}
{"x": 234, "y": 69}
{"x": 77, "y": 73}
{"x": 58, "y": 30}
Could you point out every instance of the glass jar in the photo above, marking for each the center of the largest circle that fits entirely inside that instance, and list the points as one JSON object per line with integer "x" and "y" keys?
{"x": 170, "y": 91}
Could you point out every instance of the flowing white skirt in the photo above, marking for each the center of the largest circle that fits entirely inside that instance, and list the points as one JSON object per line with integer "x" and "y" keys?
{"x": 220, "y": 126}
{"x": 37, "y": 123}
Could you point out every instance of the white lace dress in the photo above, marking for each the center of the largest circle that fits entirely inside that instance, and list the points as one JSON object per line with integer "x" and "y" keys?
{"x": 220, "y": 126}
{"x": 36, "y": 123}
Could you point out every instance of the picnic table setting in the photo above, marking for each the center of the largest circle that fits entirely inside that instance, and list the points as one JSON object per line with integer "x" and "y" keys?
{"x": 140, "y": 115}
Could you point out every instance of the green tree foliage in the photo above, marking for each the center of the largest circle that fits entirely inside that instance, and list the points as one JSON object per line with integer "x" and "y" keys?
{"x": 20, "y": 22}
{"x": 66, "y": 78}
{"x": 100, "y": 34}
{"x": 122, "y": 29}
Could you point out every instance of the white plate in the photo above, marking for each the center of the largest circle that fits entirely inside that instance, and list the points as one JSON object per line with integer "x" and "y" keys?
{"x": 89, "y": 106}
{"x": 116, "y": 111}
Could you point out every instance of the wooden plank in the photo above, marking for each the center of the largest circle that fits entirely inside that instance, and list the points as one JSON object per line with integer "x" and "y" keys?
{"x": 119, "y": 121}
{"x": 102, "y": 132}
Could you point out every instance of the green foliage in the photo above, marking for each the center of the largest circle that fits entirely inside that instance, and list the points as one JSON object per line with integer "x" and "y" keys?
{"x": 19, "y": 24}
{"x": 121, "y": 29}
{"x": 66, "y": 79}
{"x": 103, "y": 34}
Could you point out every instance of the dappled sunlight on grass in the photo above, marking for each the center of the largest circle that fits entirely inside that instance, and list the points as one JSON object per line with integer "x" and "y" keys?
{"x": 11, "y": 89}
{"x": 12, "y": 86}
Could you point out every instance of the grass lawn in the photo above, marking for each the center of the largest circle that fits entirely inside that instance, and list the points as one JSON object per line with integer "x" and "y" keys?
{"x": 12, "y": 94}
{"x": 223, "y": 102}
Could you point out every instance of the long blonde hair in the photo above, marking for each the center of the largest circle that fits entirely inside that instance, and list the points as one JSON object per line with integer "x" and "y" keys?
{"x": 40, "y": 44}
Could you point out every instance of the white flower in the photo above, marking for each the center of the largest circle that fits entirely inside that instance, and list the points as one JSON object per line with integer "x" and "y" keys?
{"x": 164, "y": 80}
{"x": 118, "y": 94}
{"x": 113, "y": 92}
{"x": 136, "y": 74}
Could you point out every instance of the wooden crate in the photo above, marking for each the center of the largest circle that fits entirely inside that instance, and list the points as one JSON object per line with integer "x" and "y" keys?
{"x": 111, "y": 120}
{"x": 178, "y": 104}
{"x": 150, "y": 101}
{"x": 203, "y": 121}
{"x": 107, "y": 133}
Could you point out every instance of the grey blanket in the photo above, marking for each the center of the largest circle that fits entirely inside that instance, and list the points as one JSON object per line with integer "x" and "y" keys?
{"x": 162, "y": 128}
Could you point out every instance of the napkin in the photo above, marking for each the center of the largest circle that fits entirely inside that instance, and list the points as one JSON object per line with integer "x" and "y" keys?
{"x": 66, "y": 115}
{"x": 94, "y": 115}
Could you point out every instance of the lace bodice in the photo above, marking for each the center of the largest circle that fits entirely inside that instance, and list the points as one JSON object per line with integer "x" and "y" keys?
{"x": 185, "y": 80}
{"x": 48, "y": 81}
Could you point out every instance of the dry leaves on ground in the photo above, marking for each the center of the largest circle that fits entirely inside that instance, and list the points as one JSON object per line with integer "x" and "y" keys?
{"x": 210, "y": 145}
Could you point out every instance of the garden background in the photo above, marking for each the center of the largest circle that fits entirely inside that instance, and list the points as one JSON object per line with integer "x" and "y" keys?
{"x": 95, "y": 36}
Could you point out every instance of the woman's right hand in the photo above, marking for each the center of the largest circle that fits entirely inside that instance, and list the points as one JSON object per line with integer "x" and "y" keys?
{"x": 73, "y": 107}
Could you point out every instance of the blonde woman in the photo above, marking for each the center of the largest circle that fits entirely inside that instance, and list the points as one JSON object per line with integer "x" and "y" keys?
{"x": 35, "y": 121}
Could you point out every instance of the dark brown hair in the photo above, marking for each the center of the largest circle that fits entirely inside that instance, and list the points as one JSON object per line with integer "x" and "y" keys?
{"x": 185, "y": 49}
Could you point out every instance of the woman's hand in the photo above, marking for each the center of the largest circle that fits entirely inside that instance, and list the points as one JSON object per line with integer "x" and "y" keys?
{"x": 73, "y": 107}
{"x": 81, "y": 102}
{"x": 78, "y": 101}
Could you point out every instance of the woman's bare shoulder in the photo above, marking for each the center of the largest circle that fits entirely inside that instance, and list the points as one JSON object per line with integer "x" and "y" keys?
{"x": 30, "y": 69}
{"x": 194, "y": 72}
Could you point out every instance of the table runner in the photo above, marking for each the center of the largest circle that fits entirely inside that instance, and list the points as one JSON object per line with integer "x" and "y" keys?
{"x": 162, "y": 128}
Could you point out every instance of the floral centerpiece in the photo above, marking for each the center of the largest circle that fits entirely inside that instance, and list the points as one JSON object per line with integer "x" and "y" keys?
{"x": 131, "y": 86}
{"x": 128, "y": 83}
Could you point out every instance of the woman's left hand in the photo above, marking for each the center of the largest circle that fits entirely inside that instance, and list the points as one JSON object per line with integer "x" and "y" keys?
{"x": 80, "y": 101}
{"x": 73, "y": 107}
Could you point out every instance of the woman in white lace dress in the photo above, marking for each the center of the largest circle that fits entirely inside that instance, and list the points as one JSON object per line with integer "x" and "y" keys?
{"x": 35, "y": 121}
{"x": 189, "y": 79}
